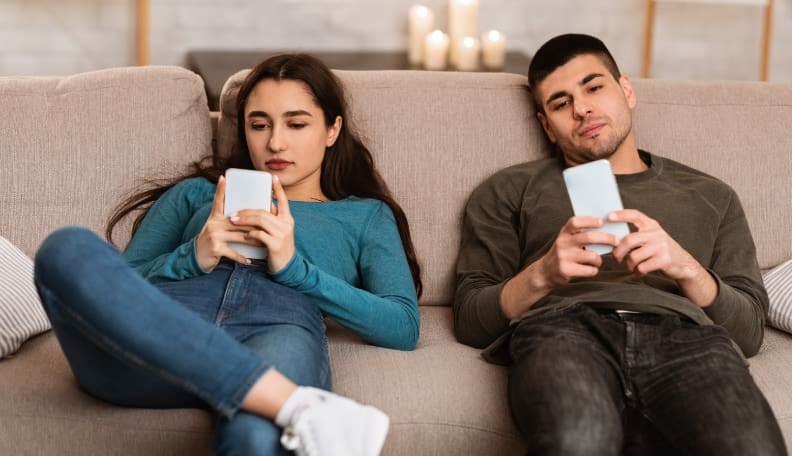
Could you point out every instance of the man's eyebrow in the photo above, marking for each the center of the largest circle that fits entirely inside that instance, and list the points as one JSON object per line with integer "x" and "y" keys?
{"x": 563, "y": 93}
{"x": 556, "y": 95}
{"x": 591, "y": 76}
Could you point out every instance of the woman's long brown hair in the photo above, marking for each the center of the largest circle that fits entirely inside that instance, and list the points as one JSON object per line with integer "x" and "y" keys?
{"x": 347, "y": 169}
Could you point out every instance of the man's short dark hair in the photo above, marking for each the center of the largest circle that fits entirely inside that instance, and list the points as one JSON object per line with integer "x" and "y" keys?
{"x": 560, "y": 50}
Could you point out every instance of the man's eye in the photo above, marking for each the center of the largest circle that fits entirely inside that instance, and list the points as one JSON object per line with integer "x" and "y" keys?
{"x": 560, "y": 105}
{"x": 595, "y": 88}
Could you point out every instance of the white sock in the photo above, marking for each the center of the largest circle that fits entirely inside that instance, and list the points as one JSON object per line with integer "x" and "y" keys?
{"x": 302, "y": 398}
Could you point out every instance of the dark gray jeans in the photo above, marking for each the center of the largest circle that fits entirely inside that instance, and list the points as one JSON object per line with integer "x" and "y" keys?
{"x": 594, "y": 382}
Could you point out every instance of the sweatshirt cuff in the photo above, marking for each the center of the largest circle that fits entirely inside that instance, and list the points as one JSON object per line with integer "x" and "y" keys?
{"x": 294, "y": 273}
{"x": 492, "y": 318}
{"x": 726, "y": 300}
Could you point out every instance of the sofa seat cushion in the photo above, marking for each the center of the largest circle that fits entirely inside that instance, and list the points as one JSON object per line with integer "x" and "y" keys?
{"x": 42, "y": 411}
{"x": 772, "y": 370}
{"x": 442, "y": 398}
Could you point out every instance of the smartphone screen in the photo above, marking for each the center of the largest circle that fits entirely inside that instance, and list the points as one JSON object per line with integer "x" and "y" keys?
{"x": 247, "y": 189}
{"x": 593, "y": 191}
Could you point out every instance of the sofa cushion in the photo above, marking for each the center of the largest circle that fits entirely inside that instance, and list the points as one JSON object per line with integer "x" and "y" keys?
{"x": 21, "y": 314}
{"x": 73, "y": 145}
{"x": 778, "y": 282}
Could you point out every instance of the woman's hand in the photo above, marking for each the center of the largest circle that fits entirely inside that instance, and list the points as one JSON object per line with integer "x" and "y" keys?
{"x": 217, "y": 232}
{"x": 274, "y": 229}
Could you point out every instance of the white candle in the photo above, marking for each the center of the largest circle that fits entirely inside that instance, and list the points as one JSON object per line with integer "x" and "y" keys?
{"x": 467, "y": 54}
{"x": 421, "y": 22}
{"x": 462, "y": 22}
{"x": 435, "y": 50}
{"x": 493, "y": 50}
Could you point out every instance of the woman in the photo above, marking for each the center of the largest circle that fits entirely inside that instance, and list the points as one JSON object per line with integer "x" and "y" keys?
{"x": 194, "y": 322}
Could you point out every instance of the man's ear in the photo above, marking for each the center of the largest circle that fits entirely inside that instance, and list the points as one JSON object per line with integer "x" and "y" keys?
{"x": 333, "y": 131}
{"x": 627, "y": 88}
{"x": 546, "y": 126}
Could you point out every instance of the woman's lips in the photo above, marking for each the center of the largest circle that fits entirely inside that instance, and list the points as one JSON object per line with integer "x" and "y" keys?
{"x": 591, "y": 130}
{"x": 277, "y": 165}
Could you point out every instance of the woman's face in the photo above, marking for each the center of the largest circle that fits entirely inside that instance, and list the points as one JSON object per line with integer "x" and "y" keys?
{"x": 287, "y": 136}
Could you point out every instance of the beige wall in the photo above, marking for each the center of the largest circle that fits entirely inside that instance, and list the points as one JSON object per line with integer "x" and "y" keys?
{"x": 692, "y": 41}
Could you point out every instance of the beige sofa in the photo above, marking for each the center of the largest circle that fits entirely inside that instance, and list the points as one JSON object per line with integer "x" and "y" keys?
{"x": 71, "y": 146}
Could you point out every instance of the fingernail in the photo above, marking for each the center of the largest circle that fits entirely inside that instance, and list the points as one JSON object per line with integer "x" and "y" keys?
{"x": 276, "y": 178}
{"x": 234, "y": 218}
{"x": 248, "y": 261}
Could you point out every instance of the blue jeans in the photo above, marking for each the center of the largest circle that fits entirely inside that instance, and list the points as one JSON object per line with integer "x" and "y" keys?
{"x": 595, "y": 382}
{"x": 199, "y": 342}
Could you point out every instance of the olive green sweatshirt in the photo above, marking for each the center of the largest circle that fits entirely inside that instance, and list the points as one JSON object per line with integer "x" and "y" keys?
{"x": 514, "y": 217}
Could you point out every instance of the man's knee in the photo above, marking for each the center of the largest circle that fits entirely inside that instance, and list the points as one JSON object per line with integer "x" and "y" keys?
{"x": 571, "y": 408}
{"x": 577, "y": 434}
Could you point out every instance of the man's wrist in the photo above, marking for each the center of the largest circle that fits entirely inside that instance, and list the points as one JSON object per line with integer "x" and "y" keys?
{"x": 523, "y": 290}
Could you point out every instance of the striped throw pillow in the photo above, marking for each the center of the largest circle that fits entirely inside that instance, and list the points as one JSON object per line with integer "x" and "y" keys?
{"x": 778, "y": 282}
{"x": 21, "y": 313}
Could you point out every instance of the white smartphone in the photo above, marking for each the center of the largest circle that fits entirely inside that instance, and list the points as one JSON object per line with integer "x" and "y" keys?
{"x": 593, "y": 191}
{"x": 247, "y": 189}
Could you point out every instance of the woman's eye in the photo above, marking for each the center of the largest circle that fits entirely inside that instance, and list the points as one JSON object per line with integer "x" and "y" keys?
{"x": 259, "y": 126}
{"x": 297, "y": 126}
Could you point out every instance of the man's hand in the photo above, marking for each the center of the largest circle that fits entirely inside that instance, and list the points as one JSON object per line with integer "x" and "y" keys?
{"x": 651, "y": 249}
{"x": 566, "y": 260}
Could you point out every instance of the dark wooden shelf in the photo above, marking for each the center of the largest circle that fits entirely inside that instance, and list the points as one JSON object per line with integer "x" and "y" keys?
{"x": 216, "y": 66}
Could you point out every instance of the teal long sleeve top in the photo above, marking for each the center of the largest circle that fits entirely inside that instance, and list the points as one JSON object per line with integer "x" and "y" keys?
{"x": 349, "y": 258}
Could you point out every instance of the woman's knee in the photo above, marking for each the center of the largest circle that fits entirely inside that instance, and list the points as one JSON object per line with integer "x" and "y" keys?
{"x": 60, "y": 251}
{"x": 299, "y": 354}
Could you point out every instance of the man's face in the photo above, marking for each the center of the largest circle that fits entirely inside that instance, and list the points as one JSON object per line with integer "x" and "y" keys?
{"x": 587, "y": 112}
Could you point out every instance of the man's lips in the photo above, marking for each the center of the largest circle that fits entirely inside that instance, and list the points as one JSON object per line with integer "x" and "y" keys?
{"x": 591, "y": 130}
{"x": 277, "y": 164}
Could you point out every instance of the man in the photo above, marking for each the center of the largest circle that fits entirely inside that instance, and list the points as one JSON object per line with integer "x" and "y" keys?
{"x": 631, "y": 352}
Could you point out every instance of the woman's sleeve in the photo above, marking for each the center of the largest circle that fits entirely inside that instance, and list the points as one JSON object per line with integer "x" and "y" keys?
{"x": 384, "y": 310}
{"x": 157, "y": 250}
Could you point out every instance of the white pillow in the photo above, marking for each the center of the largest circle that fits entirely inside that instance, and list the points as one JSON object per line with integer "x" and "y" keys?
{"x": 21, "y": 313}
{"x": 778, "y": 282}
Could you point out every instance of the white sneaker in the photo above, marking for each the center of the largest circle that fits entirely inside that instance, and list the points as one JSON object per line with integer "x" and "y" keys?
{"x": 336, "y": 426}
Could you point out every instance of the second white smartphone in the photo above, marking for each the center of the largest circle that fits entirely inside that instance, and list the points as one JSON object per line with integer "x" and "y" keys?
{"x": 247, "y": 189}
{"x": 593, "y": 191}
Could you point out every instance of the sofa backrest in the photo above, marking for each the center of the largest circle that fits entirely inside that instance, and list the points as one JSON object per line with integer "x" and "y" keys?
{"x": 72, "y": 146}
{"x": 436, "y": 135}
{"x": 737, "y": 131}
